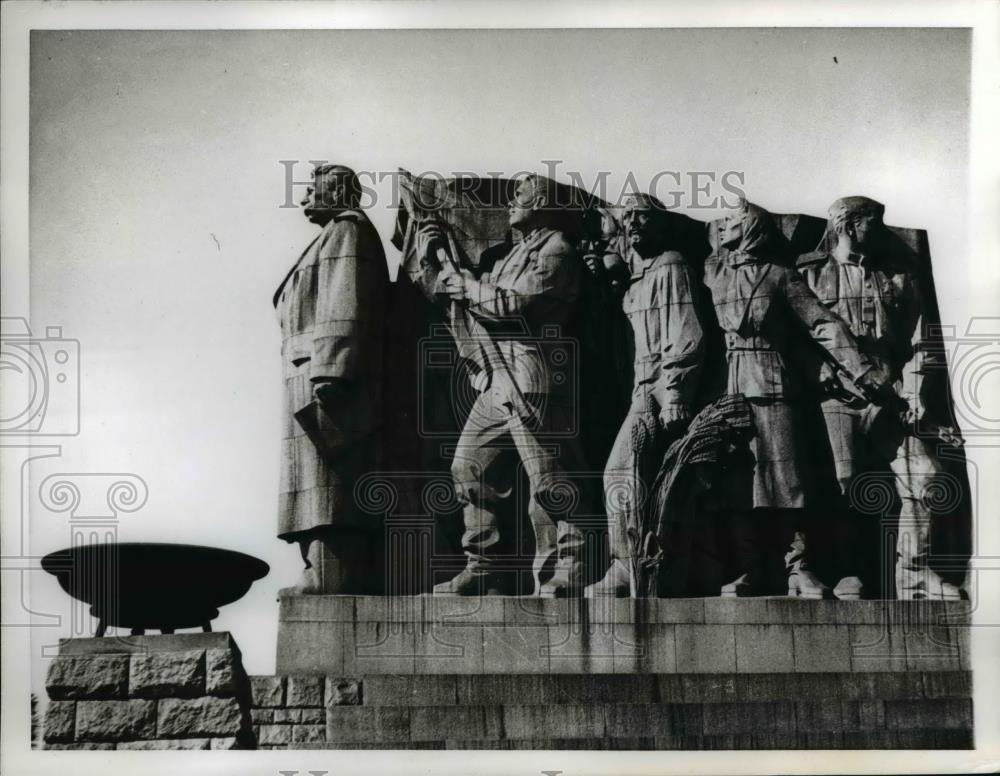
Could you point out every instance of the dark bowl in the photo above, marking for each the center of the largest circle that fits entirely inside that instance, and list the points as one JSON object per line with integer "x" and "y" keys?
{"x": 141, "y": 585}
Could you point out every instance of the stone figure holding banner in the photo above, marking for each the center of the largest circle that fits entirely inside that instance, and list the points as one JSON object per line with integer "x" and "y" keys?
{"x": 523, "y": 417}
{"x": 331, "y": 306}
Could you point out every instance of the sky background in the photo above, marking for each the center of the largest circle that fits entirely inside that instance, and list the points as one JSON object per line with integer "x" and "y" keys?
{"x": 157, "y": 236}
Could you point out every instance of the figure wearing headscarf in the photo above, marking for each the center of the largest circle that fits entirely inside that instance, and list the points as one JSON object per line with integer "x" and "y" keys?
{"x": 659, "y": 302}
{"x": 759, "y": 305}
{"x": 881, "y": 302}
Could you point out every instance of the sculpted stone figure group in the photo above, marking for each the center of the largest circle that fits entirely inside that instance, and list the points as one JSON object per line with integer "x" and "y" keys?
{"x": 832, "y": 337}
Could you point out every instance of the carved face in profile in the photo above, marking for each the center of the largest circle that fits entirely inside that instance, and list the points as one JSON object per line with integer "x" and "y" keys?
{"x": 521, "y": 210}
{"x": 863, "y": 228}
{"x": 857, "y": 222}
{"x": 323, "y": 196}
{"x": 732, "y": 231}
{"x": 750, "y": 229}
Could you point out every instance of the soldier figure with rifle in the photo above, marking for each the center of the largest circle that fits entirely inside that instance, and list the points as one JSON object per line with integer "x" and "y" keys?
{"x": 761, "y": 306}
{"x": 880, "y": 300}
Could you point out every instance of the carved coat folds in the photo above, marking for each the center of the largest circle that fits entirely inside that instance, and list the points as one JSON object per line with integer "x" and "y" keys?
{"x": 758, "y": 304}
{"x": 526, "y": 304}
{"x": 660, "y": 307}
{"x": 331, "y": 308}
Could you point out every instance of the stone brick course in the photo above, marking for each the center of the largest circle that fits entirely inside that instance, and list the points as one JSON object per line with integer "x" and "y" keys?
{"x": 186, "y": 691}
{"x": 97, "y": 676}
{"x": 535, "y": 674}
{"x": 167, "y": 674}
{"x": 291, "y": 711}
{"x": 115, "y": 720}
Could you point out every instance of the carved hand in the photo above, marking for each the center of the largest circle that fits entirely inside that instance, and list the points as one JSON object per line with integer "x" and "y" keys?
{"x": 915, "y": 410}
{"x": 672, "y": 415}
{"x": 828, "y": 377}
{"x": 454, "y": 284}
{"x": 610, "y": 228}
{"x": 876, "y": 383}
{"x": 480, "y": 381}
{"x": 429, "y": 236}
{"x": 331, "y": 392}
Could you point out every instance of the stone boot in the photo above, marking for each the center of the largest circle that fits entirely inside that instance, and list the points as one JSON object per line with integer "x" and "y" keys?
{"x": 336, "y": 563}
{"x": 924, "y": 583}
{"x": 744, "y": 586}
{"x": 309, "y": 584}
{"x": 849, "y": 589}
{"x": 473, "y": 580}
{"x": 802, "y": 582}
{"x": 566, "y": 581}
{"x": 615, "y": 584}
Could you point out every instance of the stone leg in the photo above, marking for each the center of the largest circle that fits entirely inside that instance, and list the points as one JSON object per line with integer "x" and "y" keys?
{"x": 847, "y": 528}
{"x": 339, "y": 562}
{"x": 743, "y": 540}
{"x": 917, "y": 473}
{"x": 483, "y": 471}
{"x": 802, "y": 580}
{"x": 550, "y": 453}
{"x": 626, "y": 479}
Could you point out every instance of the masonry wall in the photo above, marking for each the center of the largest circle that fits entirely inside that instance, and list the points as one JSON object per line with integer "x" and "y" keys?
{"x": 536, "y": 674}
{"x": 184, "y": 691}
{"x": 292, "y": 711}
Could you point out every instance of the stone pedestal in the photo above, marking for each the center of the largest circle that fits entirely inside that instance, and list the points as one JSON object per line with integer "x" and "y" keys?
{"x": 516, "y": 673}
{"x": 181, "y": 691}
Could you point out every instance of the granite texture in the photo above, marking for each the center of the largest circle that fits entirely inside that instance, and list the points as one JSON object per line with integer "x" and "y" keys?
{"x": 176, "y": 691}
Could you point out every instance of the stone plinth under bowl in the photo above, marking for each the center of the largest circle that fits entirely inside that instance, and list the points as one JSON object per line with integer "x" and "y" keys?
{"x": 153, "y": 585}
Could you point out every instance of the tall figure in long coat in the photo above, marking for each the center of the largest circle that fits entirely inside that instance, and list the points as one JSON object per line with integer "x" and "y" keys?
{"x": 759, "y": 305}
{"x": 331, "y": 307}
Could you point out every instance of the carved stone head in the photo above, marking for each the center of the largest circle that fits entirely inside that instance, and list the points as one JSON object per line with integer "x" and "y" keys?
{"x": 334, "y": 188}
{"x": 858, "y": 220}
{"x": 526, "y": 210}
{"x": 749, "y": 228}
{"x": 644, "y": 219}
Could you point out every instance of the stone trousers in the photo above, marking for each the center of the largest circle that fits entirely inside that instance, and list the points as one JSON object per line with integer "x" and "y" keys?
{"x": 913, "y": 475}
{"x": 495, "y": 443}
{"x": 628, "y": 476}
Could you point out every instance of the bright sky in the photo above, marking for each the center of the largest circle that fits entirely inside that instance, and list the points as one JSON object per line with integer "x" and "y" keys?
{"x": 157, "y": 238}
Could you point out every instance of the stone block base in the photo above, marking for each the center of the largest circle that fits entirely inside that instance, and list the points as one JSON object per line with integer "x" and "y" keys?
{"x": 184, "y": 691}
{"x": 365, "y": 636}
{"x": 519, "y": 673}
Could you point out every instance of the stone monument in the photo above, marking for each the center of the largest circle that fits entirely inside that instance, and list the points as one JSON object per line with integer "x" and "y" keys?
{"x": 650, "y": 660}
{"x": 447, "y": 438}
